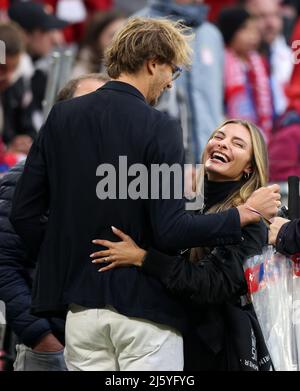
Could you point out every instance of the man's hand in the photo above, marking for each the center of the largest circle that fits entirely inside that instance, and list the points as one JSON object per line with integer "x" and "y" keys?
{"x": 265, "y": 200}
{"x": 49, "y": 343}
{"x": 277, "y": 223}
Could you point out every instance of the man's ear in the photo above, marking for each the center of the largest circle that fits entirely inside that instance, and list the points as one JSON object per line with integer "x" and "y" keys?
{"x": 151, "y": 66}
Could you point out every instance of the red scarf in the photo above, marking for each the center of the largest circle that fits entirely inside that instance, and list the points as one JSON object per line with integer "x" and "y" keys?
{"x": 237, "y": 75}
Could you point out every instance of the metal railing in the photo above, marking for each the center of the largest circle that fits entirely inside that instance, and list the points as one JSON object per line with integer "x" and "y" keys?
{"x": 59, "y": 74}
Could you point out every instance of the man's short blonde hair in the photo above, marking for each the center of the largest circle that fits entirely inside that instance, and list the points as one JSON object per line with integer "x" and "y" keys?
{"x": 142, "y": 39}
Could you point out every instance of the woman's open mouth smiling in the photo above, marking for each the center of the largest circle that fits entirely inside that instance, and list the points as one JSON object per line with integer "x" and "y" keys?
{"x": 219, "y": 157}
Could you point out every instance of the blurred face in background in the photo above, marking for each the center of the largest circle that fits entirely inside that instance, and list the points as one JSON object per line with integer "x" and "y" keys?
{"x": 86, "y": 86}
{"x": 41, "y": 43}
{"x": 246, "y": 39}
{"x": 58, "y": 38}
{"x": 20, "y": 144}
{"x": 108, "y": 33}
{"x": 268, "y": 14}
{"x": 7, "y": 71}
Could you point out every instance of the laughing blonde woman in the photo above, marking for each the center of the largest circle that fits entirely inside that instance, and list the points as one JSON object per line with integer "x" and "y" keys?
{"x": 223, "y": 332}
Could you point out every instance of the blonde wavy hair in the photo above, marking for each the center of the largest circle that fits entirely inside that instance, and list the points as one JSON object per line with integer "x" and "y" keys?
{"x": 142, "y": 39}
{"x": 257, "y": 179}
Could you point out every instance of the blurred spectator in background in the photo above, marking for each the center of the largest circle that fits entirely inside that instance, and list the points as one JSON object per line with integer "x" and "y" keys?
{"x": 40, "y": 29}
{"x": 99, "y": 34}
{"x": 40, "y": 340}
{"x": 289, "y": 15}
{"x": 16, "y": 127}
{"x": 129, "y": 7}
{"x": 247, "y": 87}
{"x": 217, "y": 5}
{"x": 284, "y": 148}
{"x": 82, "y": 85}
{"x": 197, "y": 96}
{"x": 293, "y": 87}
{"x": 3, "y": 10}
{"x": 275, "y": 49}
{"x": 77, "y": 13}
{"x": 98, "y": 5}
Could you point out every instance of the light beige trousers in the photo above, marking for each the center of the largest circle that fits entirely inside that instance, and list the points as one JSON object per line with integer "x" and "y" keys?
{"x": 104, "y": 340}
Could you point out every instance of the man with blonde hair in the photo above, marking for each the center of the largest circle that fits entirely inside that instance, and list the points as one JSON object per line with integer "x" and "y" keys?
{"x": 121, "y": 319}
{"x": 197, "y": 97}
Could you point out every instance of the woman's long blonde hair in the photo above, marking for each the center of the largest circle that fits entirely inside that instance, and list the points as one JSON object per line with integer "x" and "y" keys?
{"x": 257, "y": 179}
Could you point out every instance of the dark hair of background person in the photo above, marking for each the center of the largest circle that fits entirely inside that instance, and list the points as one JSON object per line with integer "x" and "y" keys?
{"x": 67, "y": 92}
{"x": 96, "y": 25}
{"x": 232, "y": 19}
{"x": 13, "y": 38}
{"x": 293, "y": 3}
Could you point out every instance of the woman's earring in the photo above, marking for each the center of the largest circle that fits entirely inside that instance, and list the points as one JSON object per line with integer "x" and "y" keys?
{"x": 246, "y": 175}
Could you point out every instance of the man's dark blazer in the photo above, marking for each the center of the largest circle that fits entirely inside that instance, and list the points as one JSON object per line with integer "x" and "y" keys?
{"x": 60, "y": 176}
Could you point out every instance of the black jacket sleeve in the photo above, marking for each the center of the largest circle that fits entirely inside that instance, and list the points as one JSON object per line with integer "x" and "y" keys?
{"x": 172, "y": 225}
{"x": 288, "y": 238}
{"x": 31, "y": 198}
{"x": 15, "y": 270}
{"x": 215, "y": 279}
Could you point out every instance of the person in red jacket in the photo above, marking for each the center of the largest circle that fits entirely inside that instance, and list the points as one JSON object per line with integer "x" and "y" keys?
{"x": 284, "y": 147}
{"x": 293, "y": 89}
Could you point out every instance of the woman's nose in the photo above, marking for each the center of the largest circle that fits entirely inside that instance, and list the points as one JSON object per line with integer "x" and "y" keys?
{"x": 222, "y": 144}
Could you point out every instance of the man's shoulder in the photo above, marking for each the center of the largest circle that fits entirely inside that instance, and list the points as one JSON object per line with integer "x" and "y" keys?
{"x": 73, "y": 108}
{"x": 74, "y": 103}
{"x": 96, "y": 104}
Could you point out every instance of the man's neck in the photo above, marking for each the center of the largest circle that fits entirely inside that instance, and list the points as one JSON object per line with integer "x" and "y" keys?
{"x": 135, "y": 82}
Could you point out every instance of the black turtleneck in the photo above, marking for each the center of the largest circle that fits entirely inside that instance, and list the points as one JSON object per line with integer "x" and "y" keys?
{"x": 215, "y": 192}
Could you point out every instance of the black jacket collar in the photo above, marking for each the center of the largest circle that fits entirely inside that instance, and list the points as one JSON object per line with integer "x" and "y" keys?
{"x": 123, "y": 87}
